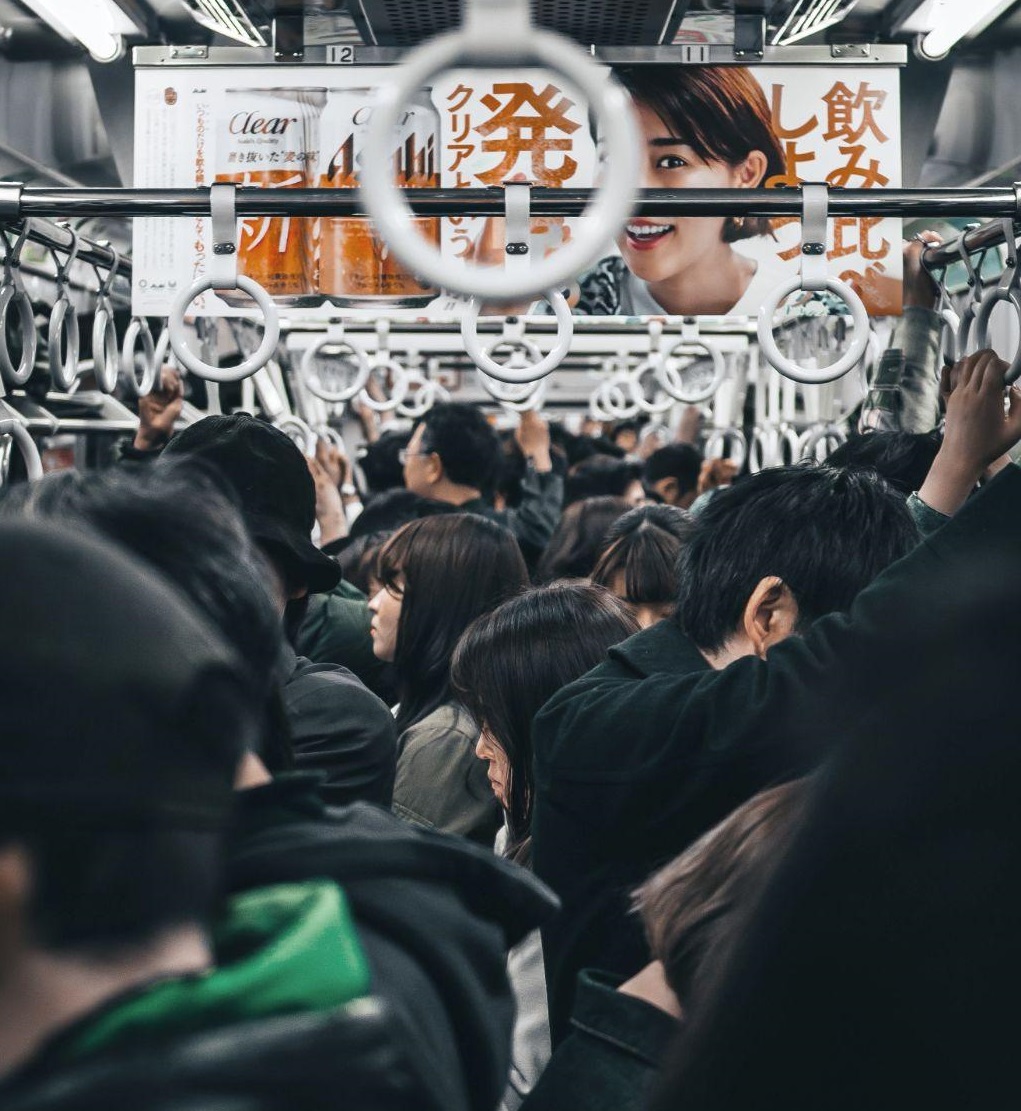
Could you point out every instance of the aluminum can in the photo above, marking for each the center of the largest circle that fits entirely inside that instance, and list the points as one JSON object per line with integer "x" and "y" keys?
{"x": 356, "y": 267}
{"x": 271, "y": 138}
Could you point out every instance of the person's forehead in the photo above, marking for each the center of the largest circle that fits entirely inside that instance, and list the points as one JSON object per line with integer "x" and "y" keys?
{"x": 416, "y": 438}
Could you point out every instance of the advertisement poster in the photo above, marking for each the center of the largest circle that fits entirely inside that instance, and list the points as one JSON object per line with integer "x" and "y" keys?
{"x": 701, "y": 127}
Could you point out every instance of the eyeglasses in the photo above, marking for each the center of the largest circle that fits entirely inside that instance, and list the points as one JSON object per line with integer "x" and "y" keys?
{"x": 404, "y": 455}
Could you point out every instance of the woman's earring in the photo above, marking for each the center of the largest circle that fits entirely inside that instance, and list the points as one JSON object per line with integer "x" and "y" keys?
{"x": 738, "y": 222}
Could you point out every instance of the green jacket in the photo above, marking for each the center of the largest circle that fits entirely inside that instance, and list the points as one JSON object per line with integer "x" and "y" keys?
{"x": 279, "y": 950}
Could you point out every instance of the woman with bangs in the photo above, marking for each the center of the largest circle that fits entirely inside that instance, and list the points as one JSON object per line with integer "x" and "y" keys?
{"x": 703, "y": 127}
{"x": 437, "y": 575}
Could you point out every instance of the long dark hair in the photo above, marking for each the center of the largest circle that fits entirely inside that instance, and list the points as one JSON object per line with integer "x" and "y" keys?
{"x": 578, "y": 538}
{"x": 510, "y": 662}
{"x": 449, "y": 570}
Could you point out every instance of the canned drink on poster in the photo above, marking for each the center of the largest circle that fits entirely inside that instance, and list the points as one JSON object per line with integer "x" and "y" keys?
{"x": 355, "y": 265}
{"x": 270, "y": 138}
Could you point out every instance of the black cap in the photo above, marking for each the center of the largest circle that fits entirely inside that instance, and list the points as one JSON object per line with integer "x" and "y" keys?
{"x": 272, "y": 479}
{"x": 119, "y": 705}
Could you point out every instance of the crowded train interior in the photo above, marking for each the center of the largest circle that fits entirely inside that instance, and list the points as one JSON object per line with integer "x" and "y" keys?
{"x": 510, "y": 515}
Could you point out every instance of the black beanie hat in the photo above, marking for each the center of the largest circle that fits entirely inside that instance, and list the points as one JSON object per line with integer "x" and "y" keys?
{"x": 272, "y": 480}
{"x": 119, "y": 706}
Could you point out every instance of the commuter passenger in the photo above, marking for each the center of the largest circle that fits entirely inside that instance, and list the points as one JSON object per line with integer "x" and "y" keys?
{"x": 182, "y": 520}
{"x": 337, "y": 625}
{"x": 506, "y": 666}
{"x": 599, "y": 476}
{"x": 579, "y": 538}
{"x": 434, "y": 918}
{"x": 337, "y": 725}
{"x": 903, "y": 459}
{"x": 437, "y": 575}
{"x": 639, "y": 560}
{"x": 882, "y": 956}
{"x": 455, "y": 456}
{"x": 693, "y": 910}
{"x": 672, "y": 474}
{"x": 121, "y": 741}
{"x": 709, "y": 716}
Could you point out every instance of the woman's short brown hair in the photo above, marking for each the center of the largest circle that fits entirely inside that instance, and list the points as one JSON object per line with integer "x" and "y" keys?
{"x": 690, "y": 906}
{"x": 721, "y": 112}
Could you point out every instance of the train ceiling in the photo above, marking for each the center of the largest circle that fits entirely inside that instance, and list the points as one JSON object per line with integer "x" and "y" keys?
{"x": 401, "y": 23}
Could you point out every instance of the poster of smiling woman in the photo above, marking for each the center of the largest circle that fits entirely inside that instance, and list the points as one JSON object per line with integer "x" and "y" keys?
{"x": 703, "y": 127}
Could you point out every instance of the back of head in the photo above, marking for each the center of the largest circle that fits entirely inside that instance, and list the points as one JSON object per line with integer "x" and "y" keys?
{"x": 692, "y": 908}
{"x": 578, "y": 538}
{"x": 180, "y": 519}
{"x": 125, "y": 716}
{"x": 467, "y": 445}
{"x": 274, "y": 486}
{"x": 449, "y": 569}
{"x": 511, "y": 661}
{"x": 387, "y": 512}
{"x": 600, "y": 476}
{"x": 825, "y": 533}
{"x": 639, "y": 558}
{"x": 903, "y": 459}
{"x": 381, "y": 464}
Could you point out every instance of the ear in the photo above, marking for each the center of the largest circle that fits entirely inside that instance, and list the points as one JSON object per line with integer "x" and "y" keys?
{"x": 15, "y": 893}
{"x": 770, "y": 615}
{"x": 433, "y": 468}
{"x": 668, "y": 490}
{"x": 752, "y": 170}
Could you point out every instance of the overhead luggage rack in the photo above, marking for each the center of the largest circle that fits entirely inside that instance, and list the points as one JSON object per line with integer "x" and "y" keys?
{"x": 636, "y": 23}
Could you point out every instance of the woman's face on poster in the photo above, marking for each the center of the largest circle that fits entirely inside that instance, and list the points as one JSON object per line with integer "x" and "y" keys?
{"x": 658, "y": 249}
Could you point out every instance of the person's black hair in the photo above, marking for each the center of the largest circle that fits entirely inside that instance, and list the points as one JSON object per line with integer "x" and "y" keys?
{"x": 577, "y": 448}
{"x": 680, "y": 461}
{"x": 448, "y": 570}
{"x": 182, "y": 518}
{"x": 642, "y": 549}
{"x": 825, "y": 533}
{"x": 358, "y": 560}
{"x": 386, "y": 512}
{"x": 578, "y": 539}
{"x": 97, "y": 892}
{"x": 467, "y": 445}
{"x": 511, "y": 661}
{"x": 902, "y": 458}
{"x": 380, "y": 462}
{"x": 600, "y": 476}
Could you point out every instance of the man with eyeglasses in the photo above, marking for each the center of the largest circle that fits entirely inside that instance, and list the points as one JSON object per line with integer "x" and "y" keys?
{"x": 455, "y": 456}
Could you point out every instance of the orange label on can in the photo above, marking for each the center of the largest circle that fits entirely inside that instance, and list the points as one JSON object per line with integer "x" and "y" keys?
{"x": 269, "y": 138}
{"x": 353, "y": 261}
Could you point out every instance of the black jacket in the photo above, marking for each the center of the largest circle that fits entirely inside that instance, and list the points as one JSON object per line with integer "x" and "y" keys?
{"x": 637, "y": 759}
{"x": 435, "y": 914}
{"x": 340, "y": 728}
{"x": 613, "y": 1055}
{"x": 360, "y": 1057}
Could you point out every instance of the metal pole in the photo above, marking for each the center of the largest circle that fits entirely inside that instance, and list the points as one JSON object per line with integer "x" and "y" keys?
{"x": 977, "y": 239}
{"x": 54, "y": 237}
{"x": 984, "y": 204}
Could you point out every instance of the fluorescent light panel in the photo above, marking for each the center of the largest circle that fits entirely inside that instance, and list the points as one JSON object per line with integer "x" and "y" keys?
{"x": 97, "y": 24}
{"x": 949, "y": 21}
